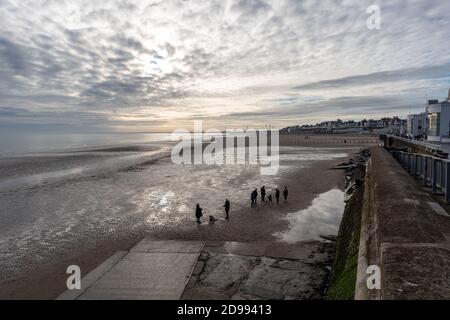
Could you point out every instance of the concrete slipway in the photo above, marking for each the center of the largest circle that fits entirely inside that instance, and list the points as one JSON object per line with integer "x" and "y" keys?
{"x": 150, "y": 270}
{"x": 188, "y": 270}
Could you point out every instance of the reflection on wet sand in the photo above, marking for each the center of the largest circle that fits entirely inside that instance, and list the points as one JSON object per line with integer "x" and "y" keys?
{"x": 322, "y": 217}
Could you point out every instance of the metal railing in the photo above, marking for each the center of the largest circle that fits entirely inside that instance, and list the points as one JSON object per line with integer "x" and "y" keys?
{"x": 427, "y": 145}
{"x": 433, "y": 171}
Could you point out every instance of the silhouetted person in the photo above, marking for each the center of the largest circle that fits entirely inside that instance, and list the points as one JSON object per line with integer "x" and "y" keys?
{"x": 277, "y": 195}
{"x": 252, "y": 198}
{"x": 263, "y": 193}
{"x": 270, "y": 198}
{"x": 227, "y": 208}
{"x": 285, "y": 194}
{"x": 198, "y": 213}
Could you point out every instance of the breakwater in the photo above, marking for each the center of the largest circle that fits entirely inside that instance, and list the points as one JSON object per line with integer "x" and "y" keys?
{"x": 329, "y": 139}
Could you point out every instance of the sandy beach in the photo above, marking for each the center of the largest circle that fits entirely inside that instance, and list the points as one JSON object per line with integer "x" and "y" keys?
{"x": 83, "y": 218}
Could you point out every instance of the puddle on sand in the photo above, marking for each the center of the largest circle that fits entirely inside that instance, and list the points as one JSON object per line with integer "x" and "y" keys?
{"x": 321, "y": 218}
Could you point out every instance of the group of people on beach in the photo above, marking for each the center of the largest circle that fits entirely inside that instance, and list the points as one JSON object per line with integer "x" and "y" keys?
{"x": 253, "y": 197}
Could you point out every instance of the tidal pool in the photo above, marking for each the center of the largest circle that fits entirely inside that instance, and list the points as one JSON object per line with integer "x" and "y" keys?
{"x": 322, "y": 217}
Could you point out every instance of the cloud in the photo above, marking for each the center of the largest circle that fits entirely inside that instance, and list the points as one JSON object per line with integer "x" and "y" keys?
{"x": 147, "y": 65}
{"x": 410, "y": 74}
{"x": 12, "y": 56}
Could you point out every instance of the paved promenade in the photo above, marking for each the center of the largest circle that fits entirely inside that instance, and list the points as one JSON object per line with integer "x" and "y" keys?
{"x": 404, "y": 231}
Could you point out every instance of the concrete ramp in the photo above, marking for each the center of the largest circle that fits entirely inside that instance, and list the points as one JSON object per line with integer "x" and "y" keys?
{"x": 157, "y": 270}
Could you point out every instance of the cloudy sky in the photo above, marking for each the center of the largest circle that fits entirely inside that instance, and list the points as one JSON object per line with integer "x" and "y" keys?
{"x": 158, "y": 65}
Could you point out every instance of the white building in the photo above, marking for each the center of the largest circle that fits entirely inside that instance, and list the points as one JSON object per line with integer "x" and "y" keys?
{"x": 416, "y": 124}
{"x": 438, "y": 120}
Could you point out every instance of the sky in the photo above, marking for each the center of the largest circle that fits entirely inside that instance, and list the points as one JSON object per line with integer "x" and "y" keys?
{"x": 140, "y": 66}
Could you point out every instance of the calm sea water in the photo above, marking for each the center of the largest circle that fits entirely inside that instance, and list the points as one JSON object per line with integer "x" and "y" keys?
{"x": 12, "y": 144}
{"x": 22, "y": 143}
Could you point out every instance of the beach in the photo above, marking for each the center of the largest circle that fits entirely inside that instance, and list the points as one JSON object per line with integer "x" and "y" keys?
{"x": 80, "y": 207}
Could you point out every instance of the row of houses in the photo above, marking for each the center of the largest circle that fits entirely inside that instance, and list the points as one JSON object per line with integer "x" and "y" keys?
{"x": 432, "y": 125}
{"x": 391, "y": 125}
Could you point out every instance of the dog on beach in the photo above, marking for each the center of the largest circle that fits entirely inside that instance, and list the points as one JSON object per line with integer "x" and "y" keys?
{"x": 212, "y": 219}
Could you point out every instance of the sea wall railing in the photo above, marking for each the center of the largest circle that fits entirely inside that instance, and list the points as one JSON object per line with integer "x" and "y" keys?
{"x": 434, "y": 172}
{"x": 426, "y": 145}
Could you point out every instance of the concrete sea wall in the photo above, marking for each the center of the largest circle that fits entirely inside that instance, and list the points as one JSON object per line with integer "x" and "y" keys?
{"x": 343, "y": 276}
{"x": 398, "y": 226}
{"x": 404, "y": 232}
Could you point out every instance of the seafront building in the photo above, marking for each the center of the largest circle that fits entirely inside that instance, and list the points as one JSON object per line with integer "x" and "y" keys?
{"x": 395, "y": 126}
{"x": 416, "y": 125}
{"x": 438, "y": 120}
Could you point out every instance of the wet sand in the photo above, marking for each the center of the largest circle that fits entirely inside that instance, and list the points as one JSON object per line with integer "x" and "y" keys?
{"x": 261, "y": 222}
{"x": 47, "y": 280}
